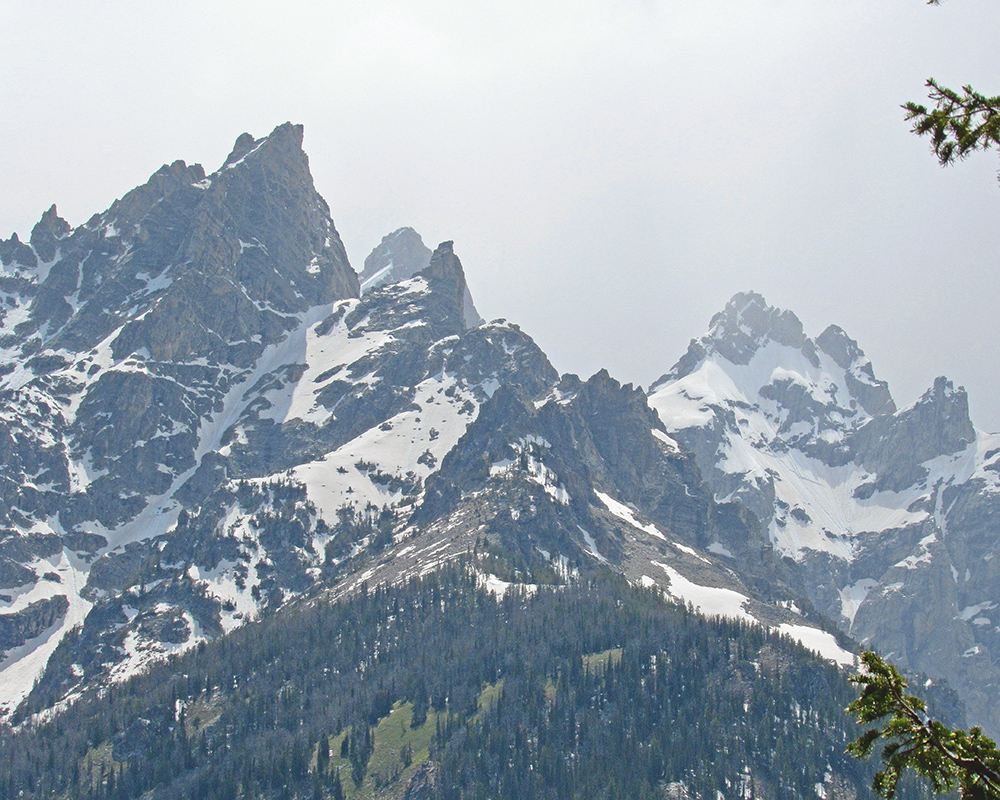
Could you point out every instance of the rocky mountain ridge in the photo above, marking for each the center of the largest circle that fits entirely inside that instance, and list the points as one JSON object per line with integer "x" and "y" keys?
{"x": 401, "y": 255}
{"x": 205, "y": 414}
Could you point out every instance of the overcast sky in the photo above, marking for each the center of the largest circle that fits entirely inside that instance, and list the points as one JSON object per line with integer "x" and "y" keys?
{"x": 611, "y": 172}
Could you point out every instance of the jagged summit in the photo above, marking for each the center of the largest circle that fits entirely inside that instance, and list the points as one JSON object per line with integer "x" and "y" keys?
{"x": 744, "y": 326}
{"x": 770, "y": 350}
{"x": 243, "y": 145}
{"x": 756, "y": 391}
{"x": 192, "y": 265}
{"x": 136, "y": 326}
{"x": 748, "y": 322}
{"x": 47, "y": 232}
{"x": 896, "y": 446}
{"x": 880, "y": 509}
{"x": 835, "y": 342}
{"x": 400, "y": 255}
{"x": 446, "y": 270}
{"x": 869, "y": 391}
{"x": 284, "y": 141}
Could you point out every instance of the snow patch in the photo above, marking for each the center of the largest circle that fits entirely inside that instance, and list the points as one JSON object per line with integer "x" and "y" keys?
{"x": 710, "y": 601}
{"x": 969, "y": 612}
{"x": 720, "y": 550}
{"x": 500, "y": 587}
{"x": 714, "y": 601}
{"x": 22, "y": 665}
{"x": 591, "y": 548}
{"x": 626, "y": 514}
{"x": 851, "y": 598}
{"x": 819, "y": 642}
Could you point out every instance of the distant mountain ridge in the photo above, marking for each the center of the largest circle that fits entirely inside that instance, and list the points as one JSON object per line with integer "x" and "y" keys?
{"x": 886, "y": 514}
{"x": 205, "y": 413}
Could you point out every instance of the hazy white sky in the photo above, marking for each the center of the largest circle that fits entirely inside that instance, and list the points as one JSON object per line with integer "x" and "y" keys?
{"x": 611, "y": 172}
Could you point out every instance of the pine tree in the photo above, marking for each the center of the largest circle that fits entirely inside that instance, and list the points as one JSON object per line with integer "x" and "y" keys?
{"x": 336, "y": 789}
{"x": 323, "y": 755}
{"x": 947, "y": 758}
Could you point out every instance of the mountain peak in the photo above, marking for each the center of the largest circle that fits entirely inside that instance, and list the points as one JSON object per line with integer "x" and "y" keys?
{"x": 244, "y": 144}
{"x": 835, "y": 342}
{"x": 872, "y": 393}
{"x": 284, "y": 138}
{"x": 445, "y": 274}
{"x": 47, "y": 231}
{"x": 14, "y": 251}
{"x": 444, "y": 264}
{"x": 251, "y": 247}
{"x": 897, "y": 446}
{"x": 400, "y": 255}
{"x": 445, "y": 271}
{"x": 747, "y": 322}
{"x": 948, "y": 406}
{"x": 810, "y": 394}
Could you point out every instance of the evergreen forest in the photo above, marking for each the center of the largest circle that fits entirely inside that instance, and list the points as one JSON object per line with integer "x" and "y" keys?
{"x": 438, "y": 689}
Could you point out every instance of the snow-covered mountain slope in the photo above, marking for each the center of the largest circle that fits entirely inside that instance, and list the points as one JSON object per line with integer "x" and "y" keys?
{"x": 387, "y": 441}
{"x": 202, "y": 417}
{"x": 322, "y": 459}
{"x": 885, "y": 516}
{"x": 579, "y": 479}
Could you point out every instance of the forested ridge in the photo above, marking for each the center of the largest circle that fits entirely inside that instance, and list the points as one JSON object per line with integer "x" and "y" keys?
{"x": 438, "y": 689}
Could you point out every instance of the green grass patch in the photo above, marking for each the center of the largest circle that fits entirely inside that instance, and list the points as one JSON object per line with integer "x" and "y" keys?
{"x": 598, "y": 662}
{"x": 396, "y": 743}
{"x": 99, "y": 760}
{"x": 487, "y": 699}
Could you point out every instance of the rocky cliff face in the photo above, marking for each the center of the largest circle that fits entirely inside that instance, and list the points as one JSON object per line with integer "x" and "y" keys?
{"x": 865, "y": 502}
{"x": 400, "y": 255}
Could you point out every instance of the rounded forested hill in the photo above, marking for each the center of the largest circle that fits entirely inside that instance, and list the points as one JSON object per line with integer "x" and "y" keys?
{"x": 437, "y": 689}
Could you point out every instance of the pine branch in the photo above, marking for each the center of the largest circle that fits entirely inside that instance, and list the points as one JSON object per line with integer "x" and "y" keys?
{"x": 960, "y": 122}
{"x": 946, "y": 757}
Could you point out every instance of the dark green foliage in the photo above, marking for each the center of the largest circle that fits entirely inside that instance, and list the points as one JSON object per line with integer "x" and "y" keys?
{"x": 717, "y": 705}
{"x": 336, "y": 789}
{"x": 362, "y": 744}
{"x": 323, "y": 756}
{"x": 959, "y": 123}
{"x": 947, "y": 758}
